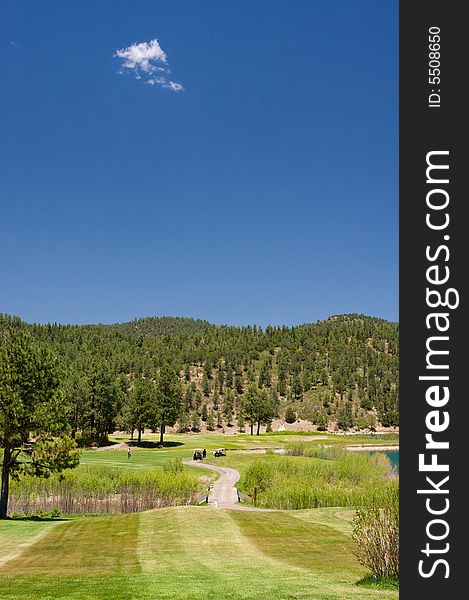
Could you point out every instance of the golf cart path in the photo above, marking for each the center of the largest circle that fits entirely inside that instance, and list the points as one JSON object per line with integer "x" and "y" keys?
{"x": 223, "y": 492}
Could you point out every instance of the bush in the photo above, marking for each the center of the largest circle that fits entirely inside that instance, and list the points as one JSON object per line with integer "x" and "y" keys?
{"x": 376, "y": 536}
{"x": 174, "y": 466}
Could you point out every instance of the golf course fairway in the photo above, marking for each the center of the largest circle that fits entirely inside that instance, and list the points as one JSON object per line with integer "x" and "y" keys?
{"x": 184, "y": 553}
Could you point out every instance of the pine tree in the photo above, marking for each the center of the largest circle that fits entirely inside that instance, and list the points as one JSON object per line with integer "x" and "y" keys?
{"x": 184, "y": 422}
{"x": 33, "y": 416}
{"x": 239, "y": 384}
{"x": 168, "y": 400}
{"x": 210, "y": 421}
{"x": 195, "y": 422}
{"x": 205, "y": 385}
{"x": 290, "y": 416}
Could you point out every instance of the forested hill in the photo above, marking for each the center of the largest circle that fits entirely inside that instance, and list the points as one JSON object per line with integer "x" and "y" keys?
{"x": 339, "y": 372}
{"x": 158, "y": 326}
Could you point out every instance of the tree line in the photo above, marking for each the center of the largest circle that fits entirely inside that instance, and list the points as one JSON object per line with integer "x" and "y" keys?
{"x": 343, "y": 370}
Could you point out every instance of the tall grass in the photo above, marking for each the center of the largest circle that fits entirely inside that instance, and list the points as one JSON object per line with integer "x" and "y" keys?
{"x": 97, "y": 489}
{"x": 315, "y": 450}
{"x": 296, "y": 482}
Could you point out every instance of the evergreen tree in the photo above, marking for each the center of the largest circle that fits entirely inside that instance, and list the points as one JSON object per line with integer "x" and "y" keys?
{"x": 195, "y": 422}
{"x": 290, "y": 416}
{"x": 264, "y": 375}
{"x": 33, "y": 416}
{"x": 105, "y": 398}
{"x": 297, "y": 388}
{"x": 137, "y": 409}
{"x": 184, "y": 422}
{"x": 228, "y": 401}
{"x": 205, "y": 385}
{"x": 321, "y": 421}
{"x": 210, "y": 421}
{"x": 168, "y": 400}
{"x": 345, "y": 417}
{"x": 258, "y": 407}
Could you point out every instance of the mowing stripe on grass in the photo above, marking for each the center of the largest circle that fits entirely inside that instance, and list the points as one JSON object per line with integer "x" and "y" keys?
{"x": 186, "y": 553}
{"x": 85, "y": 546}
{"x": 317, "y": 547}
{"x": 17, "y": 535}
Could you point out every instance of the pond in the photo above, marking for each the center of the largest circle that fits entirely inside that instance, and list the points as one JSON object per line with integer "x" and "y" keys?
{"x": 393, "y": 456}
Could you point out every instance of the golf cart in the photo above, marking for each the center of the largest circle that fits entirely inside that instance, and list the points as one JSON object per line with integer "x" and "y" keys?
{"x": 219, "y": 452}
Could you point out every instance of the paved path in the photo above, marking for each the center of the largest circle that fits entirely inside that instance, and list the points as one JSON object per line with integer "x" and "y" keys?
{"x": 223, "y": 492}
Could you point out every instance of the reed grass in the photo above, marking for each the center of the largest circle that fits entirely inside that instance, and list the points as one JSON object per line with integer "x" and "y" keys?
{"x": 99, "y": 489}
{"x": 336, "y": 478}
{"x": 315, "y": 450}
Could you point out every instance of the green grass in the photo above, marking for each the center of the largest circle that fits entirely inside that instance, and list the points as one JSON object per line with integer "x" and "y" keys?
{"x": 380, "y": 583}
{"x": 191, "y": 552}
{"x": 182, "y": 446}
{"x": 17, "y": 535}
{"x": 186, "y": 553}
{"x": 299, "y": 482}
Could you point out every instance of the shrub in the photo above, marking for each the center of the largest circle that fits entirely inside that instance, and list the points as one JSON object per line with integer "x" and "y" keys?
{"x": 174, "y": 466}
{"x": 376, "y": 536}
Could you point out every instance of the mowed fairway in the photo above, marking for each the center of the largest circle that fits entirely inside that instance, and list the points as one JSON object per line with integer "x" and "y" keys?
{"x": 187, "y": 553}
{"x": 179, "y": 446}
{"x": 182, "y": 446}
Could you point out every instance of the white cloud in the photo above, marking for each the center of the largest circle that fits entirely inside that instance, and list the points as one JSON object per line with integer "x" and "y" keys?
{"x": 165, "y": 83}
{"x": 144, "y": 59}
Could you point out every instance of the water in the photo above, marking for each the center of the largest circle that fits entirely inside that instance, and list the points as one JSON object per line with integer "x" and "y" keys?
{"x": 393, "y": 456}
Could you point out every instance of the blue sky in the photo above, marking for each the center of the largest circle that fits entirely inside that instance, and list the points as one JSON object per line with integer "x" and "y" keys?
{"x": 265, "y": 191}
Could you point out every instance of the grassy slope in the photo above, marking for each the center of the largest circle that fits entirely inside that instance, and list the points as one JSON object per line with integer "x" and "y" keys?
{"x": 189, "y": 553}
{"x": 15, "y": 536}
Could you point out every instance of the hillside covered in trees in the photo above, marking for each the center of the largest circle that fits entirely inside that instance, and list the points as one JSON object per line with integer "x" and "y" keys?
{"x": 339, "y": 373}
